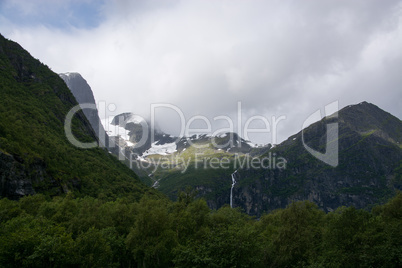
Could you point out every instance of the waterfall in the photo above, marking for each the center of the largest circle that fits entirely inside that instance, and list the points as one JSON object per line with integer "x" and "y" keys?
{"x": 231, "y": 189}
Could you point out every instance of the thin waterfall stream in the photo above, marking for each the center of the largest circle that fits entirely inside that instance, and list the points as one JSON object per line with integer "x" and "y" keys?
{"x": 231, "y": 189}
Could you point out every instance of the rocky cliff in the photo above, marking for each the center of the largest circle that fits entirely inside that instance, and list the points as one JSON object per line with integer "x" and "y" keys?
{"x": 84, "y": 95}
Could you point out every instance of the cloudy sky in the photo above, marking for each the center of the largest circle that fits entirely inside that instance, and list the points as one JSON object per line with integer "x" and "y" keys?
{"x": 278, "y": 58}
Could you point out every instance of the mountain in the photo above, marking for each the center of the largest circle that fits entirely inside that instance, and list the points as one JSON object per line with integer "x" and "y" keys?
{"x": 369, "y": 169}
{"x": 148, "y": 149}
{"x": 83, "y": 94}
{"x": 129, "y": 129}
{"x": 35, "y": 154}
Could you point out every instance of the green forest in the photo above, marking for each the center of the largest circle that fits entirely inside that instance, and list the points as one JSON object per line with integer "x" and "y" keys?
{"x": 38, "y": 231}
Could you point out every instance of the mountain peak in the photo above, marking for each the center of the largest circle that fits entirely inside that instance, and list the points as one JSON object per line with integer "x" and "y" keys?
{"x": 71, "y": 74}
{"x": 366, "y": 117}
{"x": 79, "y": 87}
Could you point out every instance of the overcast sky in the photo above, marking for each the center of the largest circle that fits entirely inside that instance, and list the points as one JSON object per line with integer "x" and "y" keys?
{"x": 278, "y": 58}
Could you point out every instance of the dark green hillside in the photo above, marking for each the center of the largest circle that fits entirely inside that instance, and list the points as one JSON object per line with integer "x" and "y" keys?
{"x": 369, "y": 169}
{"x": 35, "y": 155}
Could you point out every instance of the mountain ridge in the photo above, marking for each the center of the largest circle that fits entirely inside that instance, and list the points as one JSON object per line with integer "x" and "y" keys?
{"x": 364, "y": 132}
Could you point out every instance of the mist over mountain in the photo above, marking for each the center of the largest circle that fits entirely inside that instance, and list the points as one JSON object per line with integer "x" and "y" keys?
{"x": 282, "y": 58}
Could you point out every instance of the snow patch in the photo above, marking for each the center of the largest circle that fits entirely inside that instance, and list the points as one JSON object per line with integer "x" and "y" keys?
{"x": 163, "y": 149}
{"x": 252, "y": 145}
{"x": 114, "y": 131}
{"x": 130, "y": 144}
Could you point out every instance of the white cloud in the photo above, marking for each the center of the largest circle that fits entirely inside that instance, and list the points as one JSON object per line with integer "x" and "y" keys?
{"x": 277, "y": 57}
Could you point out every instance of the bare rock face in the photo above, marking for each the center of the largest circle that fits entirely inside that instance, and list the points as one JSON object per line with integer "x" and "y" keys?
{"x": 84, "y": 95}
{"x": 18, "y": 178}
{"x": 14, "y": 182}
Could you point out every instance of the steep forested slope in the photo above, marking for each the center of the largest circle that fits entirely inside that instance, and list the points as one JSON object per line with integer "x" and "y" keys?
{"x": 35, "y": 155}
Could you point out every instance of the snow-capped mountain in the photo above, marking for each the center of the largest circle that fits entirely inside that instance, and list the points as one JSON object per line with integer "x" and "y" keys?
{"x": 136, "y": 135}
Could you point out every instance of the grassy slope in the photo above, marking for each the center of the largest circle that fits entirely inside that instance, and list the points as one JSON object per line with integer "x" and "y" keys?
{"x": 199, "y": 172}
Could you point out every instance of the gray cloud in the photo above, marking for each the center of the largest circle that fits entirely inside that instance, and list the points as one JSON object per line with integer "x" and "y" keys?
{"x": 276, "y": 57}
